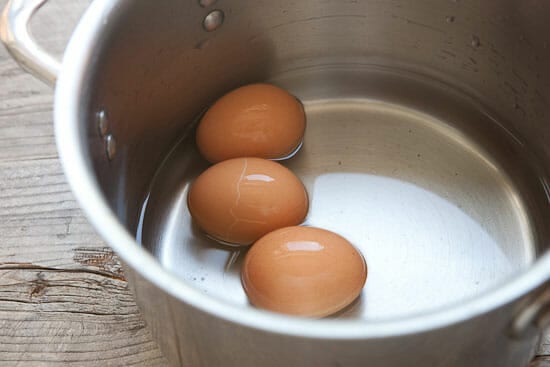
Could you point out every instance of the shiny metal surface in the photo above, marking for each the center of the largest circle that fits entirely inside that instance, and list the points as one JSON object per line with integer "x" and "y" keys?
{"x": 110, "y": 146}
{"x": 213, "y": 20}
{"x": 102, "y": 123}
{"x": 190, "y": 336}
{"x": 16, "y": 36}
{"x": 534, "y": 316}
{"x": 427, "y": 205}
{"x": 155, "y": 68}
{"x": 260, "y": 41}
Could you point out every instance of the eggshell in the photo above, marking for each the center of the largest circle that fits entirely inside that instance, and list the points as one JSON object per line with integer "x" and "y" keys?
{"x": 303, "y": 271}
{"x": 239, "y": 200}
{"x": 257, "y": 120}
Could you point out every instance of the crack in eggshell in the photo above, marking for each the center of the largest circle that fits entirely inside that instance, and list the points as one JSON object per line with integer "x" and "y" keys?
{"x": 237, "y": 198}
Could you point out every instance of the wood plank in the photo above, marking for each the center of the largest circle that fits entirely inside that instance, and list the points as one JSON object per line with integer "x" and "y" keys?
{"x": 544, "y": 346}
{"x": 541, "y": 362}
{"x": 63, "y": 297}
{"x": 49, "y": 316}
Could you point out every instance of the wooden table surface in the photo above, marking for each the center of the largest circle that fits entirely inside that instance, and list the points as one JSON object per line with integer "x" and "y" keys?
{"x": 63, "y": 298}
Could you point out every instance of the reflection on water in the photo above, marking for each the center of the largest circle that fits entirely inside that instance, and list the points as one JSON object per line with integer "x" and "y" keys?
{"x": 421, "y": 249}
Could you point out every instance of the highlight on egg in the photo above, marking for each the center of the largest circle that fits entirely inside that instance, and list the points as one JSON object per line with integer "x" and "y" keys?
{"x": 256, "y": 120}
{"x": 303, "y": 271}
{"x": 237, "y": 201}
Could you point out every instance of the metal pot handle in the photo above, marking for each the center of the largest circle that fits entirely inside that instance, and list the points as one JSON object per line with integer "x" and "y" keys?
{"x": 16, "y": 35}
{"x": 535, "y": 316}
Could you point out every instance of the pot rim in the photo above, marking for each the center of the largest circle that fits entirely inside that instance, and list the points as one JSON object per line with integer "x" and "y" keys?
{"x": 78, "y": 59}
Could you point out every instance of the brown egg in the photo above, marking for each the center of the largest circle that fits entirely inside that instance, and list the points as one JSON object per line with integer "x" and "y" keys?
{"x": 257, "y": 120}
{"x": 239, "y": 200}
{"x": 303, "y": 271}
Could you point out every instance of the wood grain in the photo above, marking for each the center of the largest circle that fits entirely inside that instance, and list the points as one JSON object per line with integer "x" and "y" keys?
{"x": 63, "y": 297}
{"x": 542, "y": 361}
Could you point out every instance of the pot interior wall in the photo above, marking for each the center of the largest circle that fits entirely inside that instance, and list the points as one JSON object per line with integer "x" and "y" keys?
{"x": 442, "y": 102}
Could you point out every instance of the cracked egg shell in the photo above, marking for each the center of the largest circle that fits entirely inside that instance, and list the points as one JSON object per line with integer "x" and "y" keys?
{"x": 239, "y": 200}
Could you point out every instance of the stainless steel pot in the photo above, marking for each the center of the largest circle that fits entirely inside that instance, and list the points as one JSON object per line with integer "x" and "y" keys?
{"x": 427, "y": 145}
